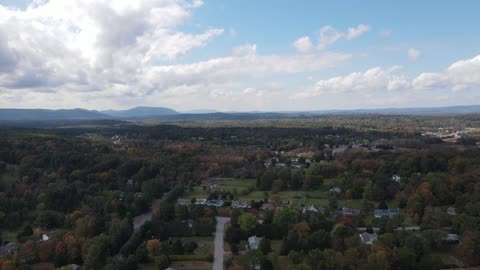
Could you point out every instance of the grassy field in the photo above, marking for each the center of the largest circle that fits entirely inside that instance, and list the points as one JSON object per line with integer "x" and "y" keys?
{"x": 297, "y": 197}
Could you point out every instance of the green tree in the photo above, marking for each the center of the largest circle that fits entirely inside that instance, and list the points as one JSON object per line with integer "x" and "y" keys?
{"x": 265, "y": 246}
{"x": 162, "y": 262}
{"x": 97, "y": 252}
{"x": 247, "y": 222}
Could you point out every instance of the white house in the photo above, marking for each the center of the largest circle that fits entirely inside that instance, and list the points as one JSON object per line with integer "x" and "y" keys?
{"x": 335, "y": 190}
{"x": 254, "y": 242}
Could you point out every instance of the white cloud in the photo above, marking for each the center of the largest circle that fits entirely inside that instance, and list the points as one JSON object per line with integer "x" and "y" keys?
{"x": 253, "y": 92}
{"x": 243, "y": 63}
{"x": 91, "y": 44}
{"x": 463, "y": 74}
{"x": 413, "y": 54}
{"x": 373, "y": 79}
{"x": 303, "y": 45}
{"x": 354, "y": 32}
{"x": 328, "y": 36}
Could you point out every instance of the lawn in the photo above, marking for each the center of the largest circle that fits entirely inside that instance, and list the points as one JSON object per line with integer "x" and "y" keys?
{"x": 297, "y": 197}
{"x": 226, "y": 184}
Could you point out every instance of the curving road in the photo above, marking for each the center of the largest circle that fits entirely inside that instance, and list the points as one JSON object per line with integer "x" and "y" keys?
{"x": 218, "y": 257}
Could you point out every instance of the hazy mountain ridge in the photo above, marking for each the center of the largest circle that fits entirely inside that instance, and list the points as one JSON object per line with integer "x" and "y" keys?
{"x": 162, "y": 112}
{"x": 44, "y": 114}
{"x": 140, "y": 112}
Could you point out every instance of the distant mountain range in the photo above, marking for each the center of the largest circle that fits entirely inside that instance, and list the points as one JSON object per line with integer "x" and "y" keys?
{"x": 140, "y": 112}
{"x": 160, "y": 112}
{"x": 50, "y": 115}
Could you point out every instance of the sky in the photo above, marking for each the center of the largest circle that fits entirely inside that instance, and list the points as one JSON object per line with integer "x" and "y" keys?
{"x": 239, "y": 55}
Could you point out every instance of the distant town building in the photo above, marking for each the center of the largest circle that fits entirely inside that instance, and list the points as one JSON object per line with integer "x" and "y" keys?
{"x": 254, "y": 242}
{"x": 452, "y": 239}
{"x": 368, "y": 238}
{"x": 396, "y": 178}
{"x": 7, "y": 249}
{"x": 184, "y": 201}
{"x": 378, "y": 213}
{"x": 200, "y": 201}
{"x": 335, "y": 190}
{"x": 350, "y": 211}
{"x": 216, "y": 203}
{"x": 313, "y": 209}
{"x": 240, "y": 204}
{"x": 451, "y": 211}
{"x": 268, "y": 207}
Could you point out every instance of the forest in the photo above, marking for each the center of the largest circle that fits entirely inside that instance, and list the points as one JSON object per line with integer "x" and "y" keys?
{"x": 341, "y": 192}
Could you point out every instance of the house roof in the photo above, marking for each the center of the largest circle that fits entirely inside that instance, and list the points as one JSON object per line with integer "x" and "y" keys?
{"x": 368, "y": 238}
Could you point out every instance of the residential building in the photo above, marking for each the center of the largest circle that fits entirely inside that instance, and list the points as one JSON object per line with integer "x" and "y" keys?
{"x": 368, "y": 238}
{"x": 240, "y": 204}
{"x": 254, "y": 242}
{"x": 7, "y": 249}
{"x": 378, "y": 213}
{"x": 335, "y": 190}
{"x": 452, "y": 239}
{"x": 350, "y": 211}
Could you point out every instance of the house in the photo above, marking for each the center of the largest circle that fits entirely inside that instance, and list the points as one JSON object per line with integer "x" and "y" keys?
{"x": 240, "y": 204}
{"x": 396, "y": 178}
{"x": 213, "y": 187}
{"x": 313, "y": 209}
{"x": 216, "y": 203}
{"x": 200, "y": 201}
{"x": 378, "y": 213}
{"x": 117, "y": 142}
{"x": 268, "y": 207}
{"x": 452, "y": 239}
{"x": 45, "y": 237}
{"x": 254, "y": 242}
{"x": 115, "y": 138}
{"x": 451, "y": 211}
{"x": 169, "y": 268}
{"x": 350, "y": 211}
{"x": 7, "y": 249}
{"x": 335, "y": 190}
{"x": 368, "y": 238}
{"x": 184, "y": 201}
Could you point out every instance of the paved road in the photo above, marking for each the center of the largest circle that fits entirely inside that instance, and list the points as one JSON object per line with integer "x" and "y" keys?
{"x": 218, "y": 258}
{"x": 409, "y": 228}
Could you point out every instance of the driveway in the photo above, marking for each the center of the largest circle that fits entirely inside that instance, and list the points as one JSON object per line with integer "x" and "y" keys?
{"x": 218, "y": 257}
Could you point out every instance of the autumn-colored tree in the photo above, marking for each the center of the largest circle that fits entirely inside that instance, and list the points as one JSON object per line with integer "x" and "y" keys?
{"x": 45, "y": 250}
{"x": 60, "y": 254}
{"x": 302, "y": 229}
{"x": 236, "y": 267}
{"x": 7, "y": 265}
{"x": 378, "y": 261}
{"x": 153, "y": 247}
{"x": 469, "y": 248}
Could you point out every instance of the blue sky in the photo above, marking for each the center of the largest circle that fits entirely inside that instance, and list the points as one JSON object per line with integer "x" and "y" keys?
{"x": 239, "y": 55}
